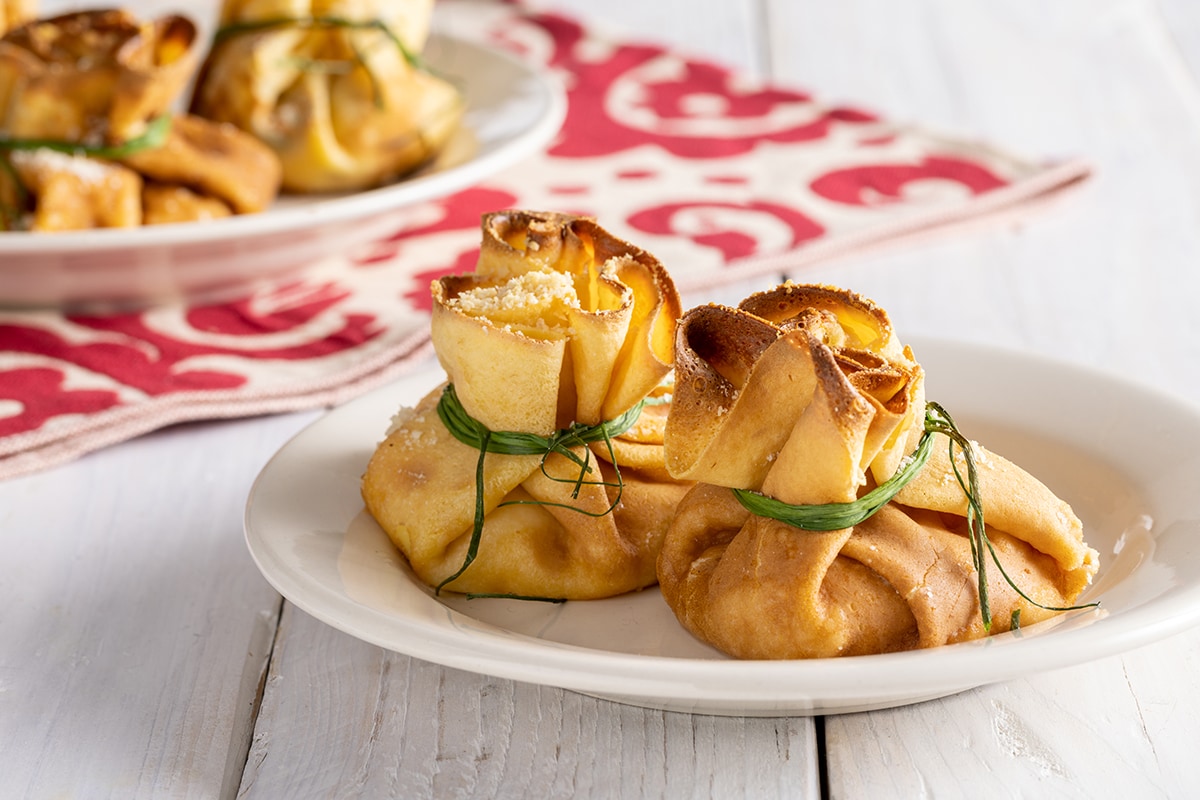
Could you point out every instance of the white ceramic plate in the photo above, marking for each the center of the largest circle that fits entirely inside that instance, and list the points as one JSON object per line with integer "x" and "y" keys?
{"x": 1126, "y": 458}
{"x": 512, "y": 112}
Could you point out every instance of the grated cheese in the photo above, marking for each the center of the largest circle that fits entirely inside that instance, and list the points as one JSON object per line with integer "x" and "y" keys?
{"x": 44, "y": 160}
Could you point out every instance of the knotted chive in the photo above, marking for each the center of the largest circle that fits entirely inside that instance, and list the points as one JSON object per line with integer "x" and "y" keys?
{"x": 254, "y": 25}
{"x": 502, "y": 596}
{"x": 838, "y": 516}
{"x": 154, "y": 136}
{"x": 939, "y": 420}
{"x": 474, "y": 433}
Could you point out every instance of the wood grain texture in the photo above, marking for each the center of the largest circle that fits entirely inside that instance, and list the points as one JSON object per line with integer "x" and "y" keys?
{"x": 730, "y": 33}
{"x": 1101, "y": 281}
{"x": 1079, "y": 732}
{"x": 1096, "y": 81}
{"x": 135, "y": 627}
{"x": 342, "y": 718}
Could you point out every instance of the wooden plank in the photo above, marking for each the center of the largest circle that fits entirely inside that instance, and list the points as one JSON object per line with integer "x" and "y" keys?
{"x": 1094, "y": 283}
{"x": 1115, "y": 728}
{"x": 344, "y": 718}
{"x": 728, "y": 32}
{"x": 1109, "y": 281}
{"x": 136, "y": 627}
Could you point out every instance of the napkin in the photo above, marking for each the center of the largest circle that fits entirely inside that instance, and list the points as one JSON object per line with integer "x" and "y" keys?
{"x": 719, "y": 177}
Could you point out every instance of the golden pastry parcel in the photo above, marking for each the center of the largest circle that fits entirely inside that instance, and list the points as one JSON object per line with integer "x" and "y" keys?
{"x": 796, "y": 414}
{"x": 537, "y": 470}
{"x": 335, "y": 87}
{"x": 14, "y": 13}
{"x": 89, "y": 139}
{"x": 311, "y": 96}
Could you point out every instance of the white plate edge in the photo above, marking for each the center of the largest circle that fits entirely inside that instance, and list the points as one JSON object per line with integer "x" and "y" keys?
{"x": 658, "y": 677}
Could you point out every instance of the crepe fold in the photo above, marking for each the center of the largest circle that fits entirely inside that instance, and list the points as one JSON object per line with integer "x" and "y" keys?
{"x": 93, "y": 76}
{"x": 89, "y": 138}
{"x": 561, "y": 324}
{"x": 805, "y": 395}
{"x": 333, "y": 86}
{"x": 14, "y": 13}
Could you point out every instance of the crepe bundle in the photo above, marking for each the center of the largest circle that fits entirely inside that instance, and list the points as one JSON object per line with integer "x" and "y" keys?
{"x": 86, "y": 125}
{"x": 14, "y": 13}
{"x": 561, "y": 324}
{"x": 93, "y": 76}
{"x": 804, "y": 395}
{"x": 333, "y": 86}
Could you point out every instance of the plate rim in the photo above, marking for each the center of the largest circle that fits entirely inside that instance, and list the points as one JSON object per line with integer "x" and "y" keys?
{"x": 772, "y": 687}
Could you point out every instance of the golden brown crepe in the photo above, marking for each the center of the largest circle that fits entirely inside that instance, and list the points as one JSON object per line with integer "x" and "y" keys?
{"x": 66, "y": 192}
{"x": 168, "y": 203}
{"x": 344, "y": 106}
{"x": 804, "y": 394}
{"x": 215, "y": 160}
{"x": 561, "y": 323}
{"x": 14, "y": 13}
{"x": 82, "y": 91}
{"x": 94, "y": 77}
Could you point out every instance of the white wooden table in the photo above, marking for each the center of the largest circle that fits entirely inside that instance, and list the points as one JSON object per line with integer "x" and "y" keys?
{"x": 142, "y": 654}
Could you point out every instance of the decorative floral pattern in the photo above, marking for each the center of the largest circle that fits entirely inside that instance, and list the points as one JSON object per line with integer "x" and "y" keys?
{"x": 720, "y": 179}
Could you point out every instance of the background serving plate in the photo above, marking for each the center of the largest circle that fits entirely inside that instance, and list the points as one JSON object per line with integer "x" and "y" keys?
{"x": 512, "y": 112}
{"x": 1126, "y": 458}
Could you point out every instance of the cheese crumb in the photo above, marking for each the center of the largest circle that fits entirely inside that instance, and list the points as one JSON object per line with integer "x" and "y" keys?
{"x": 532, "y": 289}
{"x": 45, "y": 160}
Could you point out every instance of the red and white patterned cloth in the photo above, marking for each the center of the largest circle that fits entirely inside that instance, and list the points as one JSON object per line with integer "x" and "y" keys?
{"x": 720, "y": 179}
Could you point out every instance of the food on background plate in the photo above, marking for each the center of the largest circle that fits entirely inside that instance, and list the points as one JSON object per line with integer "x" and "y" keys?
{"x": 86, "y": 124}
{"x": 69, "y": 193}
{"x": 316, "y": 97}
{"x": 214, "y": 160}
{"x": 336, "y": 88}
{"x": 799, "y": 413}
{"x": 555, "y": 350}
{"x": 14, "y": 13}
{"x": 93, "y": 77}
